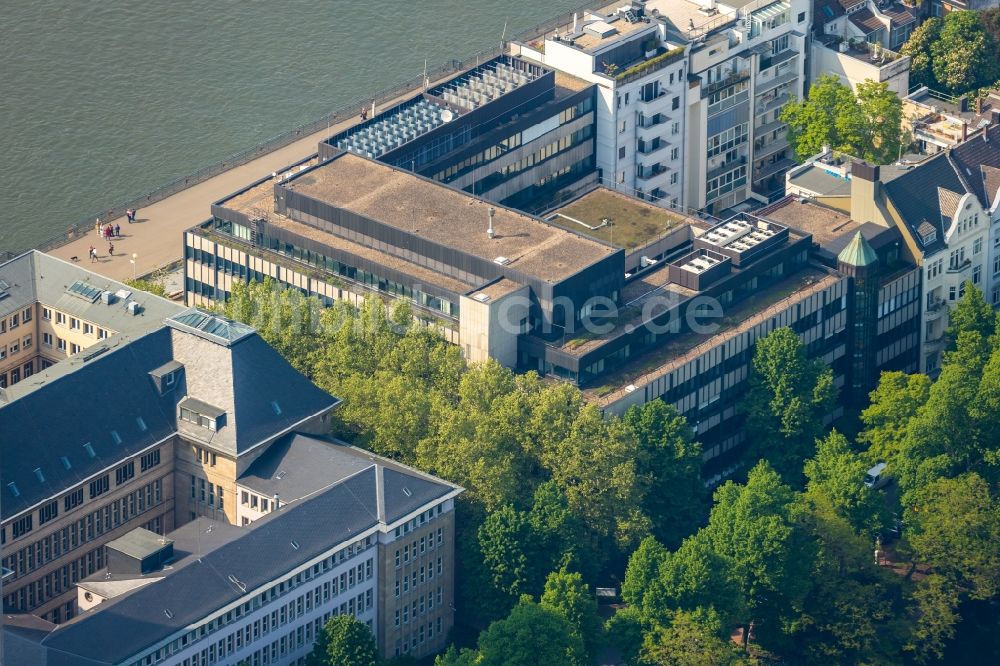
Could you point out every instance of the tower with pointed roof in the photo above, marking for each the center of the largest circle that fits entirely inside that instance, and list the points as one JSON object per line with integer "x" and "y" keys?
{"x": 861, "y": 264}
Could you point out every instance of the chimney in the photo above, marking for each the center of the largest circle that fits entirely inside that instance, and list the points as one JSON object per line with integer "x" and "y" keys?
{"x": 979, "y": 105}
{"x": 963, "y": 103}
{"x": 490, "y": 232}
{"x": 574, "y": 23}
{"x": 965, "y": 131}
{"x": 865, "y": 192}
{"x": 277, "y": 501}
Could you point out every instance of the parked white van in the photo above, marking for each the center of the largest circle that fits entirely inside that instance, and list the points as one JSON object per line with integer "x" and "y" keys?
{"x": 876, "y": 477}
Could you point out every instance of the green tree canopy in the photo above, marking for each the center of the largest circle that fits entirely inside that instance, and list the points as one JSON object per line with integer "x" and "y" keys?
{"x": 918, "y": 47}
{"x": 567, "y": 593}
{"x": 964, "y": 56}
{"x": 691, "y": 639}
{"x": 532, "y": 634}
{"x": 344, "y": 641}
{"x": 788, "y": 397}
{"x": 865, "y": 124}
{"x": 837, "y": 473}
{"x": 669, "y": 467}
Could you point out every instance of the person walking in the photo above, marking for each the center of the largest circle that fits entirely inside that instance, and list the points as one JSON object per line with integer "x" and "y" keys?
{"x": 111, "y": 249}
{"x": 97, "y": 227}
{"x": 93, "y": 254}
{"x": 118, "y": 230}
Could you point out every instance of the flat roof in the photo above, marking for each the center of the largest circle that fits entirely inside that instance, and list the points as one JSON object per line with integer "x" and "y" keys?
{"x": 589, "y": 41}
{"x": 688, "y": 346}
{"x": 448, "y": 217}
{"x": 634, "y": 222}
{"x": 496, "y": 289}
{"x": 822, "y": 222}
{"x": 817, "y": 179}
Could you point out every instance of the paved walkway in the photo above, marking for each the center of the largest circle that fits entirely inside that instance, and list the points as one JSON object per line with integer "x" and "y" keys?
{"x": 157, "y": 236}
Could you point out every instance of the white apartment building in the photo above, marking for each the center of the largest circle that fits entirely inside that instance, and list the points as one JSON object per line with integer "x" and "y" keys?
{"x": 690, "y": 92}
{"x": 641, "y": 78}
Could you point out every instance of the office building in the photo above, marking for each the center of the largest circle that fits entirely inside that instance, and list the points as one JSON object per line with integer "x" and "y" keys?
{"x": 358, "y": 535}
{"x": 508, "y": 130}
{"x": 138, "y": 413}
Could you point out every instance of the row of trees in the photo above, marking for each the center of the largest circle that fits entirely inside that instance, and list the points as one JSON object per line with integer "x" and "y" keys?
{"x": 558, "y": 496}
{"x": 867, "y": 124}
{"x": 956, "y": 54}
{"x": 550, "y": 482}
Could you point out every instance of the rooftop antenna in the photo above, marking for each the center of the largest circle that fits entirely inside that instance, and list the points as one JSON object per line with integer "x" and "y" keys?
{"x": 574, "y": 23}
{"x": 503, "y": 35}
{"x": 427, "y": 82}
{"x": 490, "y": 231}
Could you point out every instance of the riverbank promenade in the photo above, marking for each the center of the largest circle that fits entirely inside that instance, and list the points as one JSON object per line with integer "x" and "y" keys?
{"x": 156, "y": 238}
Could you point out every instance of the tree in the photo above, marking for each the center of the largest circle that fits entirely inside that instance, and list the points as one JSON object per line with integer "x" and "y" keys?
{"x": 873, "y": 127}
{"x": 837, "y": 473}
{"x": 642, "y": 589}
{"x": 753, "y": 529}
{"x": 894, "y": 402}
{"x": 344, "y": 641}
{"x": 567, "y": 593}
{"x": 690, "y": 639}
{"x": 866, "y": 124}
{"x": 963, "y": 56}
{"x": 812, "y": 122}
{"x": 669, "y": 466}
{"x": 934, "y": 618}
{"x": 788, "y": 397}
{"x": 971, "y": 314}
{"x": 505, "y": 540}
{"x": 954, "y": 526}
{"x": 532, "y": 634}
{"x": 624, "y": 631}
{"x": 918, "y": 47}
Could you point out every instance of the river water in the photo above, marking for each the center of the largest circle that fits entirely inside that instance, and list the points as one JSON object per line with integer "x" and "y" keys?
{"x": 104, "y": 100}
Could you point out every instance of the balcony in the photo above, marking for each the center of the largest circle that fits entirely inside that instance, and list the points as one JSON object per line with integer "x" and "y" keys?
{"x": 764, "y": 106}
{"x": 652, "y": 121}
{"x": 771, "y": 84}
{"x": 935, "y": 309}
{"x": 724, "y": 167}
{"x": 959, "y": 267}
{"x": 767, "y": 128}
{"x": 653, "y": 146}
{"x": 762, "y": 149}
{"x": 651, "y": 65}
{"x": 648, "y": 104}
{"x": 773, "y": 168}
{"x": 649, "y": 173}
{"x": 731, "y": 80}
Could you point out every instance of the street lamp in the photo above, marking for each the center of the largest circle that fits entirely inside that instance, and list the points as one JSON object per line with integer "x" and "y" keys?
{"x": 132, "y": 261}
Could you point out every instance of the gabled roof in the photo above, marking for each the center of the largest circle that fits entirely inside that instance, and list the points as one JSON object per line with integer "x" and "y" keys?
{"x": 98, "y": 404}
{"x": 268, "y": 549}
{"x": 915, "y": 195}
{"x": 948, "y": 202}
{"x": 991, "y": 182}
{"x": 866, "y": 21}
{"x": 969, "y": 158}
{"x": 858, "y": 252}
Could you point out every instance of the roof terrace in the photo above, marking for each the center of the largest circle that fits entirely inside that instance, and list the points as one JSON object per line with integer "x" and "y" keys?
{"x": 616, "y": 218}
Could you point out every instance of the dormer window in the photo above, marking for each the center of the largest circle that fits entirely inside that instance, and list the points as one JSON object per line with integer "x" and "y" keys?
{"x": 928, "y": 237}
{"x": 167, "y": 376}
{"x": 202, "y": 414}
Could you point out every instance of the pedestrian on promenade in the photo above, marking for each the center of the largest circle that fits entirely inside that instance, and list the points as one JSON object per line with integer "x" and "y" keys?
{"x": 93, "y": 254}
{"x": 97, "y": 227}
{"x": 364, "y": 114}
{"x": 111, "y": 249}
{"x": 118, "y": 230}
{"x": 129, "y": 215}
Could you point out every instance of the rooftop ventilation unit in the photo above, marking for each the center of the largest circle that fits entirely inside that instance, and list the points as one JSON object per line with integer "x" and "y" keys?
{"x": 107, "y": 297}
{"x": 502, "y": 261}
{"x": 133, "y": 308}
{"x": 482, "y": 298}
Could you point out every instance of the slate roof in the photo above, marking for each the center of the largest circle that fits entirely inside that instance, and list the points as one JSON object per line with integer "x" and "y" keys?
{"x": 299, "y": 466}
{"x": 103, "y": 396}
{"x": 971, "y": 156}
{"x": 970, "y": 167}
{"x": 120, "y": 628}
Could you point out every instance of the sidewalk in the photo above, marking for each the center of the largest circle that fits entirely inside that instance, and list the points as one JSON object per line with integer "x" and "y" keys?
{"x": 157, "y": 235}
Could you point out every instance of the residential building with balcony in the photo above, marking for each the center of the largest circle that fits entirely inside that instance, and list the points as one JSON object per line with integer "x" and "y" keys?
{"x": 946, "y": 209}
{"x": 939, "y": 121}
{"x": 353, "y": 527}
{"x": 736, "y": 64}
{"x": 640, "y": 76}
{"x": 158, "y": 418}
